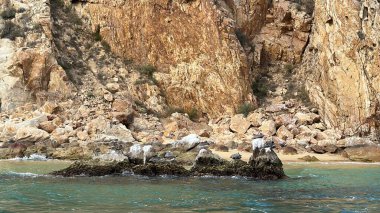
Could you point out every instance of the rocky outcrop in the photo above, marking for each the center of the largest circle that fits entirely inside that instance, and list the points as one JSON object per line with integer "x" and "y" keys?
{"x": 206, "y": 163}
{"x": 28, "y": 67}
{"x": 341, "y": 65}
{"x": 200, "y": 62}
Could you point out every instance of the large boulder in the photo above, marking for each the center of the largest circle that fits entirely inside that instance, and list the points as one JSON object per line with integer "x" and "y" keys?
{"x": 239, "y": 124}
{"x": 369, "y": 153}
{"x": 187, "y": 143}
{"x": 30, "y": 135}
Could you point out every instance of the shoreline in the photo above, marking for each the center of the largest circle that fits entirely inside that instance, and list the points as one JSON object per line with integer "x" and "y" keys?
{"x": 288, "y": 158}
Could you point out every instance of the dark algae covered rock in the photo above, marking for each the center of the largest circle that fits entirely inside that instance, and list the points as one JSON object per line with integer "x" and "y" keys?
{"x": 264, "y": 164}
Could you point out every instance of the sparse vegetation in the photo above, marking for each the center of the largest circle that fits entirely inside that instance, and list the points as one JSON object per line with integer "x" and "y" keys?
{"x": 90, "y": 95}
{"x": 148, "y": 71}
{"x": 96, "y": 35}
{"x": 245, "y": 109}
{"x": 298, "y": 92}
{"x": 12, "y": 31}
{"x": 289, "y": 68}
{"x": 305, "y": 5}
{"x": 243, "y": 39}
{"x": 106, "y": 46}
{"x": 101, "y": 76}
{"x": 260, "y": 87}
{"x": 193, "y": 114}
{"x": 9, "y": 13}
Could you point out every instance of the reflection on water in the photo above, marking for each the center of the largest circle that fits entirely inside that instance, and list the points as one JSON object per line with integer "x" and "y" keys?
{"x": 312, "y": 188}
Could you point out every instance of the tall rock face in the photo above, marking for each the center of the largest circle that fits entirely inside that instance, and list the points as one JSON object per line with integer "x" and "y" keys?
{"x": 281, "y": 31}
{"x": 28, "y": 68}
{"x": 342, "y": 64}
{"x": 201, "y": 63}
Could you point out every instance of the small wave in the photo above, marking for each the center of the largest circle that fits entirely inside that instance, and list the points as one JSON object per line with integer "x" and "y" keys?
{"x": 23, "y": 174}
{"x": 32, "y": 157}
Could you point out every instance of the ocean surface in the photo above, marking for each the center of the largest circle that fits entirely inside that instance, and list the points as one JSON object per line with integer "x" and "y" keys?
{"x": 312, "y": 187}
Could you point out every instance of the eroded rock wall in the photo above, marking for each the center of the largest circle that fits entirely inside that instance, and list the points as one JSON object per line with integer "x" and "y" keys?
{"x": 200, "y": 60}
{"x": 28, "y": 68}
{"x": 342, "y": 65}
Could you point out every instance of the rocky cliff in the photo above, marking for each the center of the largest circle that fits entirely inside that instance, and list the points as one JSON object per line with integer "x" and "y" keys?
{"x": 91, "y": 78}
{"x": 201, "y": 64}
{"x": 342, "y": 65}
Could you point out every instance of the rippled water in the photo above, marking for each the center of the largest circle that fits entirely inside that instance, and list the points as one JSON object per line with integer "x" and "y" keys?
{"x": 312, "y": 187}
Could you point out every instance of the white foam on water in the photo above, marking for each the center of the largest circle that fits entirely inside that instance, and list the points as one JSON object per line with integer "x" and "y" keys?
{"x": 23, "y": 174}
{"x": 32, "y": 157}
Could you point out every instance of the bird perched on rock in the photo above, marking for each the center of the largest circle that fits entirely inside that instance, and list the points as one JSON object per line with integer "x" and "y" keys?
{"x": 236, "y": 156}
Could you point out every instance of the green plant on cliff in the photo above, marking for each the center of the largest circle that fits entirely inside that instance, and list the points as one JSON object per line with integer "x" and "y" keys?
{"x": 148, "y": 71}
{"x": 9, "y": 13}
{"x": 245, "y": 109}
{"x": 193, "y": 114}
{"x": 96, "y": 34}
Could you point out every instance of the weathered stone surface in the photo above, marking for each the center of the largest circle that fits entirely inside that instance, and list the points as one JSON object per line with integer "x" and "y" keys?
{"x": 284, "y": 133}
{"x": 364, "y": 153}
{"x": 192, "y": 44}
{"x": 268, "y": 127}
{"x": 30, "y": 135}
{"x": 341, "y": 65}
{"x": 239, "y": 124}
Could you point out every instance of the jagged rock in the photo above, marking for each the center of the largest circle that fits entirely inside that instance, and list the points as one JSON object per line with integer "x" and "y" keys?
{"x": 239, "y": 124}
{"x": 266, "y": 164}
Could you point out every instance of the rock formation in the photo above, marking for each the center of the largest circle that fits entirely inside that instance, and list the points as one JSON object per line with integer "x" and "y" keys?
{"x": 201, "y": 64}
{"x": 341, "y": 65}
{"x": 155, "y": 82}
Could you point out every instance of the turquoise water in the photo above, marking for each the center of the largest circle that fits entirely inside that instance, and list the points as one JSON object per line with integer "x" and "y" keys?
{"x": 312, "y": 187}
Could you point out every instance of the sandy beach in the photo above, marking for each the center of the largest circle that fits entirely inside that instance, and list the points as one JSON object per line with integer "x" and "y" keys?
{"x": 287, "y": 158}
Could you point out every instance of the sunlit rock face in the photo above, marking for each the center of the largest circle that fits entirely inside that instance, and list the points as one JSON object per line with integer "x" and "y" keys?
{"x": 28, "y": 68}
{"x": 200, "y": 61}
{"x": 342, "y": 65}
